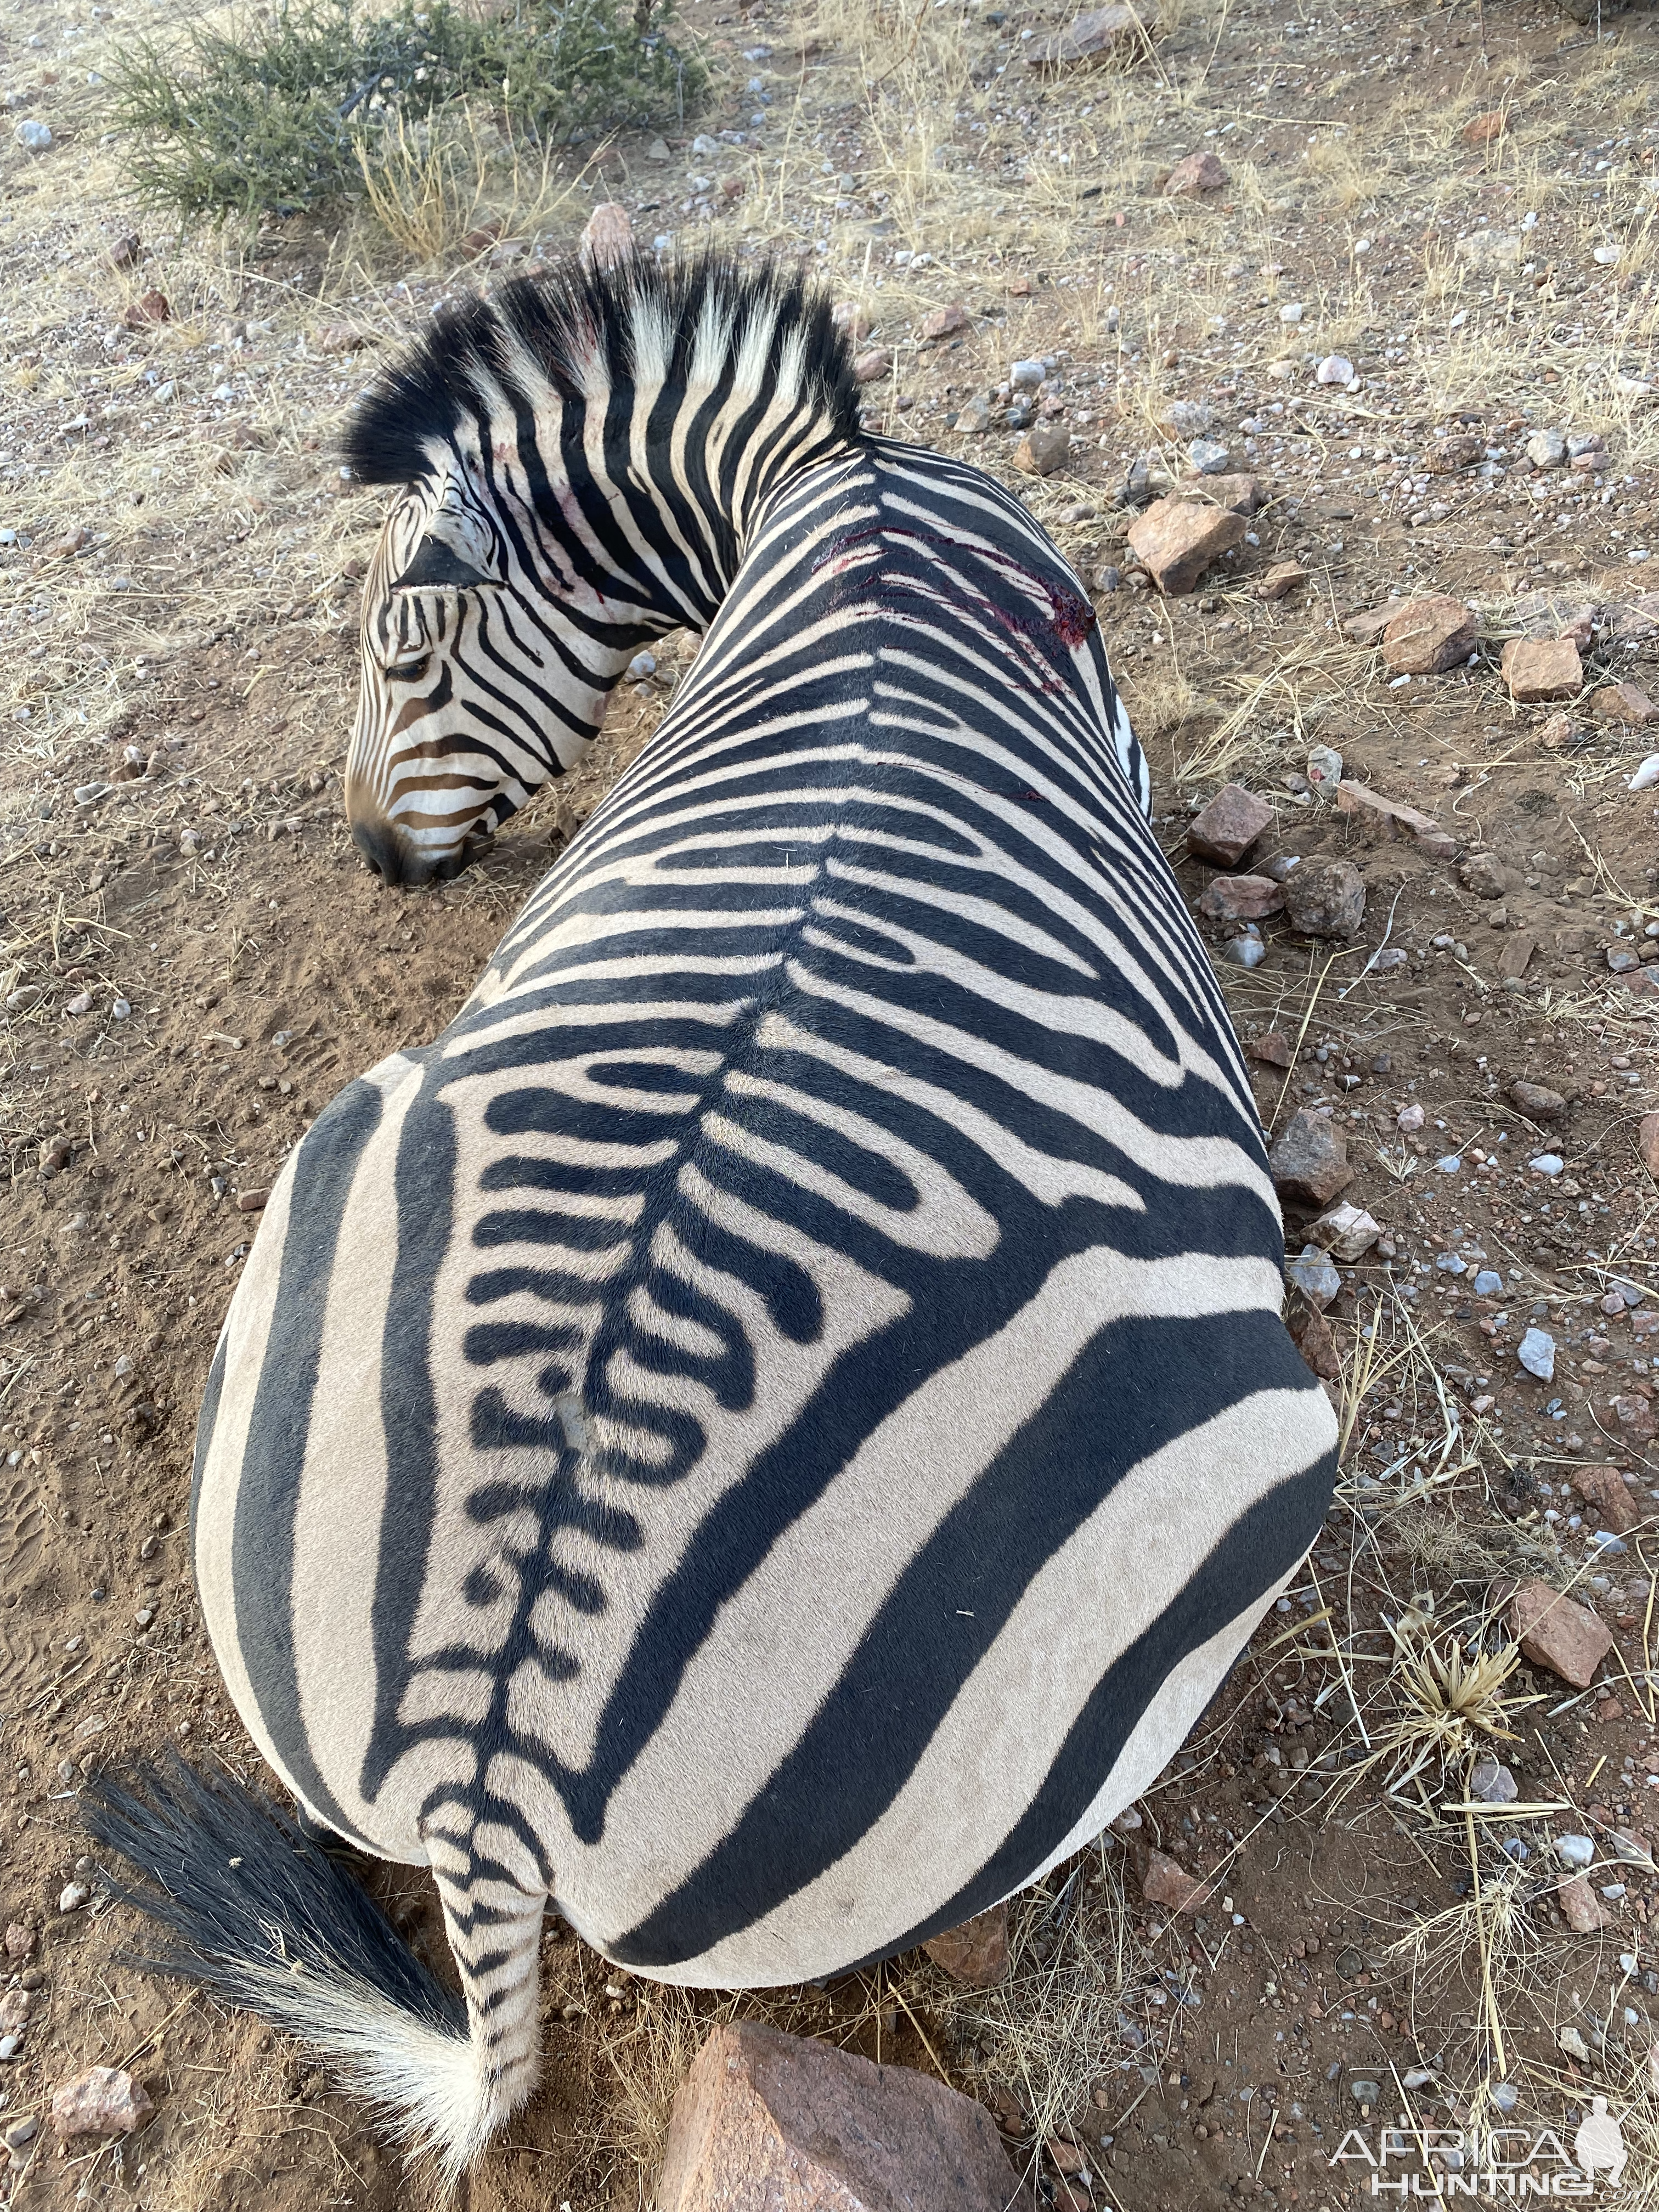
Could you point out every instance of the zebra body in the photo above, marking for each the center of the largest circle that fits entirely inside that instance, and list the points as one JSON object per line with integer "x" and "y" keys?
{"x": 770, "y": 1429}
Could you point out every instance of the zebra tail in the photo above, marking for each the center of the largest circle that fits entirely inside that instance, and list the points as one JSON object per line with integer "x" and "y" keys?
{"x": 261, "y": 1915}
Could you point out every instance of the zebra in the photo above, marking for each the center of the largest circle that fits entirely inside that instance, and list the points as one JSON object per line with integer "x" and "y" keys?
{"x": 770, "y": 1429}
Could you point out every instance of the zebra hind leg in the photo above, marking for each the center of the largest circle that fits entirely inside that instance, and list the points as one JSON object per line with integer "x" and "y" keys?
{"x": 266, "y": 1919}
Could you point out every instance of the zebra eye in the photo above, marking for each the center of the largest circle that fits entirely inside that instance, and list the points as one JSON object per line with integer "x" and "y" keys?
{"x": 410, "y": 671}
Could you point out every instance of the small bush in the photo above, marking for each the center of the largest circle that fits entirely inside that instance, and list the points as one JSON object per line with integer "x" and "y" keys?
{"x": 289, "y": 109}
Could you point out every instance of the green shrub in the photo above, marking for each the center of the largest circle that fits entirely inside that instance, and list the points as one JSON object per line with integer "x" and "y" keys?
{"x": 285, "y": 111}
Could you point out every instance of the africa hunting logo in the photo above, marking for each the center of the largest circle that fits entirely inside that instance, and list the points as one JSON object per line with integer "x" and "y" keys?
{"x": 1503, "y": 2164}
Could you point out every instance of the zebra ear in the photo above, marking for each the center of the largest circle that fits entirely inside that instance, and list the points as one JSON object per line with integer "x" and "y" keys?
{"x": 438, "y": 567}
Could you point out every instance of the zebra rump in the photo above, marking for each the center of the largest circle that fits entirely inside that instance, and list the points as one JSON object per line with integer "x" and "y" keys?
{"x": 260, "y": 1914}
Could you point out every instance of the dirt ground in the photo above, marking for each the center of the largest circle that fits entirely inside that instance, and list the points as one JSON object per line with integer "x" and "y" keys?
{"x": 194, "y": 961}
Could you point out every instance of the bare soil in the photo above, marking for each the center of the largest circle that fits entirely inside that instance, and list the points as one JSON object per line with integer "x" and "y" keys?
{"x": 197, "y": 961}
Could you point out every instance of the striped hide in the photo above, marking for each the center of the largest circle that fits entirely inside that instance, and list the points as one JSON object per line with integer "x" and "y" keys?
{"x": 770, "y": 1431}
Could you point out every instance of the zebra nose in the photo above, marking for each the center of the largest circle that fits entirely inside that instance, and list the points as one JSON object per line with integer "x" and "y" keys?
{"x": 389, "y": 853}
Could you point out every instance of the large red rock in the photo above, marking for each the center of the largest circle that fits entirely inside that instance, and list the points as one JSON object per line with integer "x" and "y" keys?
{"x": 1624, "y": 701}
{"x": 1093, "y": 36}
{"x": 102, "y": 2101}
{"x": 1308, "y": 1162}
{"x": 1428, "y": 635}
{"x": 1167, "y": 1883}
{"x": 1241, "y": 898}
{"x": 1535, "y": 669}
{"x": 766, "y": 2122}
{"x": 1198, "y": 173}
{"x": 1605, "y": 1490}
{"x": 976, "y": 1952}
{"x": 1224, "y": 831}
{"x": 1176, "y": 540}
{"x": 1553, "y": 1632}
{"x": 607, "y": 238}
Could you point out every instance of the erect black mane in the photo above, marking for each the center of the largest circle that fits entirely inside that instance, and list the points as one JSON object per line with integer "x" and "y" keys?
{"x": 553, "y": 317}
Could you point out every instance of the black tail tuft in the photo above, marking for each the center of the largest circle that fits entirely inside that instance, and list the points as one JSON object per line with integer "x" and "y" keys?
{"x": 244, "y": 1896}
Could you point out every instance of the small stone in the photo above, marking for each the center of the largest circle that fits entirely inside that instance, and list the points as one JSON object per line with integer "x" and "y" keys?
{"x": 657, "y": 151}
{"x": 1327, "y": 898}
{"x": 1547, "y": 1164}
{"x": 1281, "y": 580}
{"x": 1168, "y": 1883}
{"x": 607, "y": 238}
{"x": 873, "y": 366}
{"x": 1536, "y": 1352}
{"x": 1308, "y": 1162}
{"x": 15, "y": 2006}
{"x": 1335, "y": 369}
{"x": 1553, "y": 1632}
{"x": 1481, "y": 130}
{"x": 641, "y": 667}
{"x": 1325, "y": 772}
{"x": 1546, "y": 449}
{"x": 1428, "y": 635}
{"x": 33, "y": 137}
{"x": 1027, "y": 375}
{"x": 1482, "y": 874}
{"x": 1559, "y": 732}
{"x": 20, "y": 2134}
{"x": 1537, "y": 1101}
{"x": 1208, "y": 456}
{"x": 1647, "y": 1143}
{"x": 1449, "y": 455}
{"x": 1606, "y": 1489}
{"x": 1581, "y": 1908}
{"x": 102, "y": 2101}
{"x": 1366, "y": 2093}
{"x": 1224, "y": 831}
{"x": 1574, "y": 2044}
{"x": 1090, "y": 37}
{"x": 943, "y": 323}
{"x": 975, "y": 419}
{"x": 73, "y": 1897}
{"x": 1273, "y": 1050}
{"x": 1241, "y": 898}
{"x": 1313, "y": 1274}
{"x": 1347, "y": 1232}
{"x": 81, "y": 1003}
{"x": 1624, "y": 701}
{"x": 763, "y": 2117}
{"x": 1245, "y": 952}
{"x": 1535, "y": 669}
{"x": 1512, "y": 961}
{"x": 1195, "y": 173}
{"x": 1410, "y": 1118}
{"x": 152, "y": 308}
{"x": 1176, "y": 540}
{"x": 1493, "y": 1783}
{"x": 1045, "y": 448}
{"x": 251, "y": 1201}
{"x": 977, "y": 1952}
{"x": 1310, "y": 1332}
{"x": 19, "y": 1940}
{"x": 1488, "y": 1283}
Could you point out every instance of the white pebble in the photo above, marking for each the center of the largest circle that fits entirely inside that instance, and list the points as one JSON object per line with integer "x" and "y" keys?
{"x": 1335, "y": 369}
{"x": 33, "y": 137}
{"x": 1292, "y": 313}
{"x": 642, "y": 665}
{"x": 73, "y": 1897}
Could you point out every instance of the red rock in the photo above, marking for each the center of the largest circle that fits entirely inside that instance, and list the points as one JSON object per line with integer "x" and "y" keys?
{"x": 251, "y": 1201}
{"x": 1449, "y": 455}
{"x": 1327, "y": 898}
{"x": 1481, "y": 130}
{"x": 20, "y": 1940}
{"x": 342, "y": 337}
{"x": 1224, "y": 831}
{"x": 151, "y": 309}
{"x": 1581, "y": 1907}
{"x": 1043, "y": 449}
{"x": 1537, "y": 1100}
{"x": 1359, "y": 798}
{"x": 1176, "y": 539}
{"x": 607, "y": 238}
{"x": 847, "y": 315}
{"x": 1538, "y": 668}
{"x": 16, "y": 2007}
{"x": 1624, "y": 701}
{"x": 1198, "y": 173}
{"x": 1647, "y": 1143}
{"x": 773, "y": 2121}
{"x": 1309, "y": 1161}
{"x": 1428, "y": 635}
{"x": 873, "y": 366}
{"x": 1483, "y": 874}
{"x": 1241, "y": 898}
{"x": 943, "y": 323}
{"x": 1281, "y": 580}
{"x": 1091, "y": 37}
{"x": 1553, "y": 1632}
{"x": 1168, "y": 1884}
{"x": 1606, "y": 1490}
{"x": 1273, "y": 1050}
{"x": 977, "y": 1952}
{"x": 102, "y": 2101}
{"x": 126, "y": 252}
{"x": 1634, "y": 1415}
{"x": 1312, "y": 1336}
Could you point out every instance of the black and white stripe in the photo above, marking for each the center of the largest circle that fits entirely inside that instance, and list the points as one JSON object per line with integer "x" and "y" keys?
{"x": 771, "y": 1429}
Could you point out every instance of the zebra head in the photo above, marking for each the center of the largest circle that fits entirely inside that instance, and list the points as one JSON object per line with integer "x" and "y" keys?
{"x": 577, "y": 462}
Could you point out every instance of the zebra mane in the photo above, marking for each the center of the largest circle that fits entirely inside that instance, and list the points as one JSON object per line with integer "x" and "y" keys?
{"x": 589, "y": 331}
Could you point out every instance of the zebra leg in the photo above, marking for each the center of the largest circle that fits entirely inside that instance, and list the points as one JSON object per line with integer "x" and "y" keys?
{"x": 493, "y": 1922}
